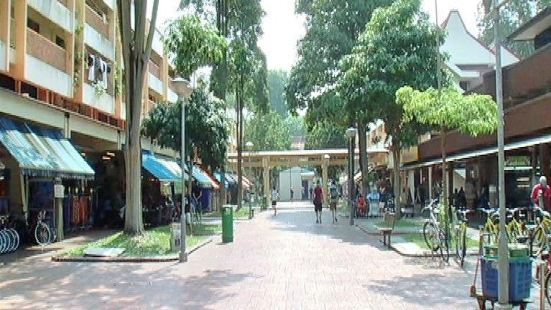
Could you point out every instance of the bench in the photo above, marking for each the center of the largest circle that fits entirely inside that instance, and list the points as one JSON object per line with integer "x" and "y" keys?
{"x": 408, "y": 210}
{"x": 386, "y": 231}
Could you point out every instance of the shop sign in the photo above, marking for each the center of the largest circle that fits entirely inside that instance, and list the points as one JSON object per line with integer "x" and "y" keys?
{"x": 59, "y": 191}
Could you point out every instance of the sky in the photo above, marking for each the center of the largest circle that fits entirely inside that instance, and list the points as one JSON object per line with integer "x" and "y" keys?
{"x": 283, "y": 29}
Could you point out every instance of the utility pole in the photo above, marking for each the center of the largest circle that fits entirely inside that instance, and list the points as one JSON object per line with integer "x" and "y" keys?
{"x": 503, "y": 250}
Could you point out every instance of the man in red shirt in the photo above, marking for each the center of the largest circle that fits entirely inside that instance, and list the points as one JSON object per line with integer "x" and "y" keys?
{"x": 543, "y": 189}
{"x": 318, "y": 201}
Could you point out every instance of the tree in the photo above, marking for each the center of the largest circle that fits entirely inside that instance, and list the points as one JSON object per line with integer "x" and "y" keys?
{"x": 326, "y": 136}
{"x": 277, "y": 79}
{"x": 192, "y": 44}
{"x": 243, "y": 68}
{"x": 136, "y": 48}
{"x": 268, "y": 132}
{"x": 398, "y": 47}
{"x": 206, "y": 127}
{"x": 513, "y": 15}
{"x": 448, "y": 110}
{"x": 332, "y": 28}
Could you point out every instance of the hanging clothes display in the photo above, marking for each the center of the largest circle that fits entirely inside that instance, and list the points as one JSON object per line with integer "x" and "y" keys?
{"x": 91, "y": 68}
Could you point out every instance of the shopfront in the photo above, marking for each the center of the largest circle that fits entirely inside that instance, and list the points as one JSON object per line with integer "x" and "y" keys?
{"x": 35, "y": 158}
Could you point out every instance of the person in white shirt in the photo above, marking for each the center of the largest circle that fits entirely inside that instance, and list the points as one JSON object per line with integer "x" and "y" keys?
{"x": 275, "y": 197}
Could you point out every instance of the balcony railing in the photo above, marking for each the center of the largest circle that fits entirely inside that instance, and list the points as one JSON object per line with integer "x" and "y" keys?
{"x": 99, "y": 42}
{"x": 154, "y": 69}
{"x": 155, "y": 84}
{"x": 3, "y": 60}
{"x": 96, "y": 21}
{"x": 102, "y": 101}
{"x": 56, "y": 11}
{"x": 45, "y": 50}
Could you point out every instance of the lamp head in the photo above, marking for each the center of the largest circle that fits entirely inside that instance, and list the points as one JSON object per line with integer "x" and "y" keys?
{"x": 351, "y": 132}
{"x": 181, "y": 87}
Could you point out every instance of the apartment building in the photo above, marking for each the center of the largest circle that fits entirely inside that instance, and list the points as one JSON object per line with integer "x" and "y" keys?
{"x": 527, "y": 119}
{"x": 62, "y": 117}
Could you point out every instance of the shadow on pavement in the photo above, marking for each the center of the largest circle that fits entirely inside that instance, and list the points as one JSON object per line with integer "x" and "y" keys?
{"x": 70, "y": 285}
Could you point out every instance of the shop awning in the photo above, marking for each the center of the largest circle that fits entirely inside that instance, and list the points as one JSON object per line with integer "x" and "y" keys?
{"x": 485, "y": 151}
{"x": 42, "y": 152}
{"x": 163, "y": 169}
{"x": 228, "y": 181}
{"x": 201, "y": 177}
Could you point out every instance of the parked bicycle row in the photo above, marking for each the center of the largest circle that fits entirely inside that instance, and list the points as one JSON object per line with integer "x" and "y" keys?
{"x": 14, "y": 232}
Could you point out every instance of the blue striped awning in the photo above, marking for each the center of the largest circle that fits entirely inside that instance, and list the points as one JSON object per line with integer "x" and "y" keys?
{"x": 201, "y": 177}
{"x": 165, "y": 170}
{"x": 42, "y": 152}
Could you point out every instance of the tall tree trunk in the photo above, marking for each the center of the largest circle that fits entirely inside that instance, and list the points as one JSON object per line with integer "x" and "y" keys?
{"x": 396, "y": 179}
{"x": 136, "y": 53}
{"x": 364, "y": 163}
{"x": 219, "y": 87}
{"x": 239, "y": 101}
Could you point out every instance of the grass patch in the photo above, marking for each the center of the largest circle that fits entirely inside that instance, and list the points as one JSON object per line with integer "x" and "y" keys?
{"x": 242, "y": 213}
{"x": 419, "y": 240}
{"x": 154, "y": 242}
{"x": 404, "y": 223}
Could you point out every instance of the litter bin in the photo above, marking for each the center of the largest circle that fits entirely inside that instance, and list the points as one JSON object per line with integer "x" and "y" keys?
{"x": 227, "y": 224}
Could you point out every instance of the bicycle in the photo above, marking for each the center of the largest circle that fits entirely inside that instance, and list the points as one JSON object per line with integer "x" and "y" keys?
{"x": 539, "y": 235}
{"x": 9, "y": 237}
{"x": 516, "y": 229}
{"x": 460, "y": 237}
{"x": 490, "y": 227}
{"x": 434, "y": 235}
{"x": 43, "y": 234}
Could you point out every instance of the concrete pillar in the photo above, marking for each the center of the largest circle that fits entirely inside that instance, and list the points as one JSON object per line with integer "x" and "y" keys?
{"x": 324, "y": 168}
{"x": 59, "y": 210}
{"x": 544, "y": 160}
{"x": 67, "y": 127}
{"x": 266, "y": 177}
{"x": 20, "y": 15}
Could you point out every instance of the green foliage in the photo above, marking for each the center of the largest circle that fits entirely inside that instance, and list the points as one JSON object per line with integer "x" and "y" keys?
{"x": 513, "y": 15}
{"x": 277, "y": 79}
{"x": 332, "y": 28}
{"x": 192, "y": 44}
{"x": 153, "y": 242}
{"x": 243, "y": 66}
{"x": 398, "y": 47}
{"x": 469, "y": 114}
{"x": 268, "y": 132}
{"x": 206, "y": 126}
{"x": 326, "y": 136}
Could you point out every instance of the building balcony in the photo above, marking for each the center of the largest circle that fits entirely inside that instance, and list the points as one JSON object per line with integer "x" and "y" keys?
{"x": 46, "y": 50}
{"x": 155, "y": 84}
{"x": 99, "y": 42}
{"x": 157, "y": 44}
{"x": 97, "y": 22}
{"x": 46, "y": 65}
{"x": 56, "y": 11}
{"x": 102, "y": 101}
{"x": 154, "y": 69}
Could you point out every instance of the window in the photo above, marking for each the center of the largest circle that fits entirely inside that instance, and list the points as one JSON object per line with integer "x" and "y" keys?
{"x": 60, "y": 42}
{"x": 33, "y": 25}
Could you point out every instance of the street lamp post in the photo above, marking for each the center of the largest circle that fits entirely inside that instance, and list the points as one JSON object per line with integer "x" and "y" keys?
{"x": 183, "y": 90}
{"x": 249, "y": 145}
{"x": 351, "y": 134}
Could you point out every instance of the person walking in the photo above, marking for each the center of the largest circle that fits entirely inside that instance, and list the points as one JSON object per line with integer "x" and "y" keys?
{"x": 542, "y": 191}
{"x": 318, "y": 201}
{"x": 334, "y": 195}
{"x": 275, "y": 197}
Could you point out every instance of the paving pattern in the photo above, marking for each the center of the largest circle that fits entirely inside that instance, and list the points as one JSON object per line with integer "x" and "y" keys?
{"x": 276, "y": 262}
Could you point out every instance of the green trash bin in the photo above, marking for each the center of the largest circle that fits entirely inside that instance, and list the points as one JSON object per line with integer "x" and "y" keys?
{"x": 227, "y": 224}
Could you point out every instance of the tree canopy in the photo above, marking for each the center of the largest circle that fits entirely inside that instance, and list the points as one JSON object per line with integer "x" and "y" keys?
{"x": 469, "y": 114}
{"x": 326, "y": 136}
{"x": 277, "y": 79}
{"x": 206, "y": 127}
{"x": 191, "y": 44}
{"x": 332, "y": 28}
{"x": 268, "y": 132}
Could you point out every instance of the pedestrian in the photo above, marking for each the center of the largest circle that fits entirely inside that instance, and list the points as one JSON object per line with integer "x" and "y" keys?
{"x": 311, "y": 191}
{"x": 334, "y": 195}
{"x": 275, "y": 197}
{"x": 318, "y": 201}
{"x": 542, "y": 191}
{"x": 362, "y": 209}
{"x": 374, "y": 198}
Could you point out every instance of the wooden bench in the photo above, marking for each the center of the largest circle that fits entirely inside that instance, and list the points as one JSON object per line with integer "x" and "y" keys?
{"x": 386, "y": 231}
{"x": 408, "y": 210}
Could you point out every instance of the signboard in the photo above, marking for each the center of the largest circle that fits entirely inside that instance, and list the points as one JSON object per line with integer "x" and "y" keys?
{"x": 59, "y": 191}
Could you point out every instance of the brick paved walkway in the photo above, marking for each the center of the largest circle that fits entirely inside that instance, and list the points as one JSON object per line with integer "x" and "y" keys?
{"x": 282, "y": 262}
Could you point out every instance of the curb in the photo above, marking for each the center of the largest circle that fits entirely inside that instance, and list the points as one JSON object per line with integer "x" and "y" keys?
{"x": 163, "y": 259}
